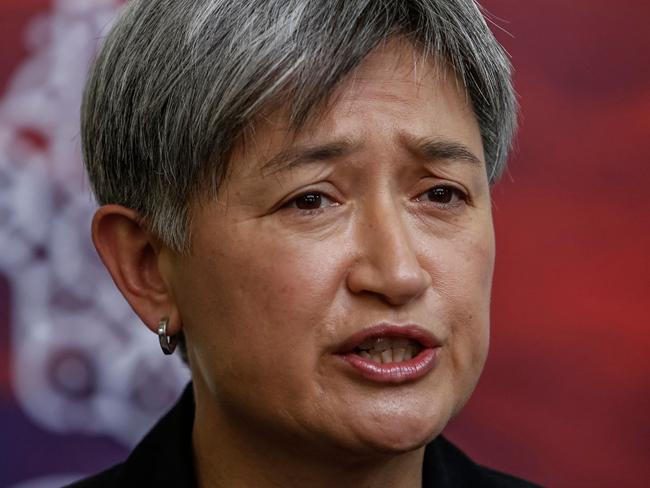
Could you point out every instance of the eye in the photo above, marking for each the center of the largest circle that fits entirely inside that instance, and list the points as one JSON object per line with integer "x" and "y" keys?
{"x": 444, "y": 195}
{"x": 311, "y": 201}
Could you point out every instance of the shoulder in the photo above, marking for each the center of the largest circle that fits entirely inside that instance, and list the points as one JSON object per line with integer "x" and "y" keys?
{"x": 503, "y": 480}
{"x": 446, "y": 465}
{"x": 109, "y": 478}
{"x": 162, "y": 458}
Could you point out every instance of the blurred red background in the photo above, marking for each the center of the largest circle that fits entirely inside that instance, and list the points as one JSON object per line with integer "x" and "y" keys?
{"x": 565, "y": 395}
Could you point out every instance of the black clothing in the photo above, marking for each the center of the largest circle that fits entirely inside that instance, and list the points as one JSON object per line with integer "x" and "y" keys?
{"x": 164, "y": 459}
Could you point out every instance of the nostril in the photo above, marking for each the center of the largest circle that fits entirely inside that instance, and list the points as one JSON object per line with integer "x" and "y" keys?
{"x": 394, "y": 285}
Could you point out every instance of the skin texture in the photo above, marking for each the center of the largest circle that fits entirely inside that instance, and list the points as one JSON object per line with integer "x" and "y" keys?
{"x": 270, "y": 290}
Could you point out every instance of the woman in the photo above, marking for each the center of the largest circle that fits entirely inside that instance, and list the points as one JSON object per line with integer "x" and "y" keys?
{"x": 298, "y": 193}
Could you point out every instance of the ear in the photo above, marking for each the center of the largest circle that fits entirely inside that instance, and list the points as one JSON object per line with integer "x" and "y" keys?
{"x": 132, "y": 256}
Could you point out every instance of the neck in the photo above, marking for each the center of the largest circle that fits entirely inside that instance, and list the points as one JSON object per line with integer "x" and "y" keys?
{"x": 229, "y": 452}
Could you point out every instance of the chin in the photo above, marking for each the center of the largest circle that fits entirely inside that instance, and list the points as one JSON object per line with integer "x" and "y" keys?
{"x": 398, "y": 434}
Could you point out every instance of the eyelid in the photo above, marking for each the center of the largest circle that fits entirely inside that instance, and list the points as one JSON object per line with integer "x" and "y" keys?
{"x": 290, "y": 203}
{"x": 461, "y": 193}
{"x": 292, "y": 200}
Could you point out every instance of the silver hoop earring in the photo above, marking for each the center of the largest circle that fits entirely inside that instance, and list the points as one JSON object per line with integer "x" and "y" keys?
{"x": 167, "y": 343}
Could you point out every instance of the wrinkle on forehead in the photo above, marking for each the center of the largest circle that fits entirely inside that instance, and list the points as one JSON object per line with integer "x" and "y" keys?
{"x": 396, "y": 55}
{"x": 388, "y": 74}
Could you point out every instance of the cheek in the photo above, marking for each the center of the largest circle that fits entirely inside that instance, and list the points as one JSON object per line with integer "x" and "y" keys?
{"x": 256, "y": 313}
{"x": 465, "y": 281}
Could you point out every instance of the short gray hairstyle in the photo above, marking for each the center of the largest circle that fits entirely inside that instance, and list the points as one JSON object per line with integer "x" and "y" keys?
{"x": 178, "y": 81}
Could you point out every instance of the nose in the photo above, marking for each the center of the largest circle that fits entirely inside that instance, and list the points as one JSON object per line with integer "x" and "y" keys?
{"x": 386, "y": 263}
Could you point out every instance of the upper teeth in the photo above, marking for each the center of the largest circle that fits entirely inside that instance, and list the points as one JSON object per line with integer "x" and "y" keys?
{"x": 389, "y": 349}
{"x": 384, "y": 343}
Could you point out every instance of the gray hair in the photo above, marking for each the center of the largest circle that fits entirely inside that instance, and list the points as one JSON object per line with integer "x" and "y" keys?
{"x": 178, "y": 81}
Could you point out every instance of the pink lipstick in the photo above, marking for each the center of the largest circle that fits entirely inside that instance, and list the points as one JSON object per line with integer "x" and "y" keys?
{"x": 390, "y": 354}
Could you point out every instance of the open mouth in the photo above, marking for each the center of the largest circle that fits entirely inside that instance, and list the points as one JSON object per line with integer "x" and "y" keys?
{"x": 390, "y": 354}
{"x": 388, "y": 350}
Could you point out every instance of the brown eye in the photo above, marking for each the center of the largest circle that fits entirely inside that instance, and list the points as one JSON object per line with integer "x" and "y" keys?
{"x": 444, "y": 195}
{"x": 308, "y": 201}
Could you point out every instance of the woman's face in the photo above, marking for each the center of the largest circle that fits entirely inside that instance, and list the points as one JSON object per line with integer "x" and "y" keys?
{"x": 377, "y": 213}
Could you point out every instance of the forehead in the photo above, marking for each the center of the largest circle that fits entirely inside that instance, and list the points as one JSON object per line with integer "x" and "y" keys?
{"x": 396, "y": 88}
{"x": 397, "y": 70}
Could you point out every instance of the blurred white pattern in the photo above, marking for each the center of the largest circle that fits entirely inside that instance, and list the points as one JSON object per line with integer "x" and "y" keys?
{"x": 82, "y": 361}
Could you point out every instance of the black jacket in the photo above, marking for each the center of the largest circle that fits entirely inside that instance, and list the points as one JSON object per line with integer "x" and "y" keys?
{"x": 164, "y": 459}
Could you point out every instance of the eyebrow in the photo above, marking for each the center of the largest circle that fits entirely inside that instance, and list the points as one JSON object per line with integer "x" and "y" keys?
{"x": 428, "y": 149}
{"x": 297, "y": 156}
{"x": 431, "y": 149}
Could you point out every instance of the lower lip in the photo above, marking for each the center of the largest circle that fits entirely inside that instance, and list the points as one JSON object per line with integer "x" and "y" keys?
{"x": 410, "y": 370}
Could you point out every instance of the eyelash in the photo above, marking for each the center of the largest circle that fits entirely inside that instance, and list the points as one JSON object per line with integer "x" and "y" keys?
{"x": 461, "y": 195}
{"x": 312, "y": 211}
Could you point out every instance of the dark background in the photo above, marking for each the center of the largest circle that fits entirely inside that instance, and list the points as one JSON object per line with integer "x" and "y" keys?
{"x": 564, "y": 399}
